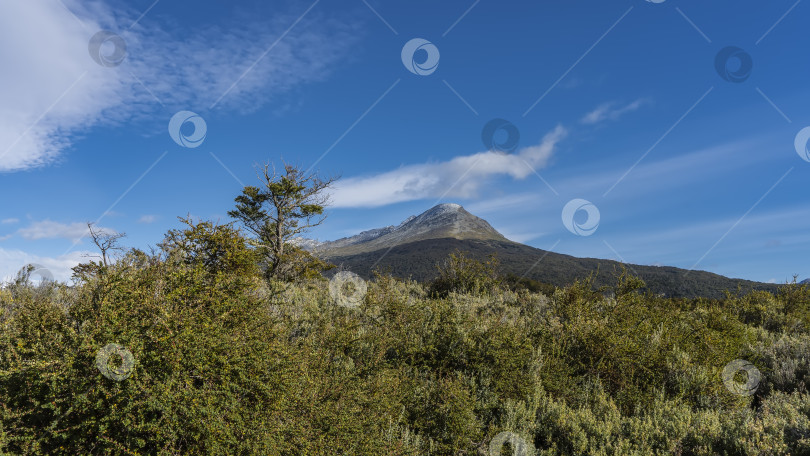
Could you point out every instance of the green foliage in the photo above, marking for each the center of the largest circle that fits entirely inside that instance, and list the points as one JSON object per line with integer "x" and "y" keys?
{"x": 226, "y": 363}
{"x": 218, "y": 249}
{"x": 286, "y": 206}
{"x": 461, "y": 274}
{"x": 514, "y": 282}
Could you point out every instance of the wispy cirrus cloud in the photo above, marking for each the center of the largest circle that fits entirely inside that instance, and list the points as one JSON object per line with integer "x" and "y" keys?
{"x": 654, "y": 177}
{"x": 57, "y": 90}
{"x": 506, "y": 203}
{"x": 48, "y": 229}
{"x": 459, "y": 177}
{"x": 462, "y": 176}
{"x": 148, "y": 219}
{"x": 612, "y": 111}
{"x": 697, "y": 244}
{"x": 631, "y": 217}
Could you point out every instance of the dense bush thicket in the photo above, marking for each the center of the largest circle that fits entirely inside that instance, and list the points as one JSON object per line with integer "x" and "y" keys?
{"x": 226, "y": 363}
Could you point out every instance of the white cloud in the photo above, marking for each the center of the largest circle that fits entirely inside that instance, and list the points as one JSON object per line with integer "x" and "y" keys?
{"x": 48, "y": 229}
{"x": 610, "y": 111}
{"x": 11, "y": 261}
{"x": 460, "y": 177}
{"x": 9, "y": 221}
{"x": 52, "y": 89}
{"x": 147, "y": 219}
{"x": 43, "y": 63}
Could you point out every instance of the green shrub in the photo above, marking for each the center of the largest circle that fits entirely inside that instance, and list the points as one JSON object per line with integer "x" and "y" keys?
{"x": 460, "y": 274}
{"x": 226, "y": 362}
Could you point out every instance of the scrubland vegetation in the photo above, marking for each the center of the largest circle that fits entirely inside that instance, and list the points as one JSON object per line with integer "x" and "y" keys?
{"x": 228, "y": 362}
{"x": 227, "y": 344}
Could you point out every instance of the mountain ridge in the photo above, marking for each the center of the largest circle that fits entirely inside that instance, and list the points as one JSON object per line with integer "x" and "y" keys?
{"x": 413, "y": 248}
{"x": 417, "y": 260}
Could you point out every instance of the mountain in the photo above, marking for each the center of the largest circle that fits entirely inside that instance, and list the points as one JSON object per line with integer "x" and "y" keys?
{"x": 413, "y": 248}
{"x": 805, "y": 282}
{"x": 439, "y": 222}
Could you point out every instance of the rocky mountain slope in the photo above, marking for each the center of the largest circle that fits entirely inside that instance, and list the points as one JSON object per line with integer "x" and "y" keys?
{"x": 442, "y": 221}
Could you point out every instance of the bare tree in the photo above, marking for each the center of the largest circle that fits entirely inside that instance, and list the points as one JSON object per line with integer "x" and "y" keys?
{"x": 106, "y": 241}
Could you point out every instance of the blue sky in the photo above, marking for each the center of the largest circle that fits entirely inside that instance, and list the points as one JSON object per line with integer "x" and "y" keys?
{"x": 620, "y": 105}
